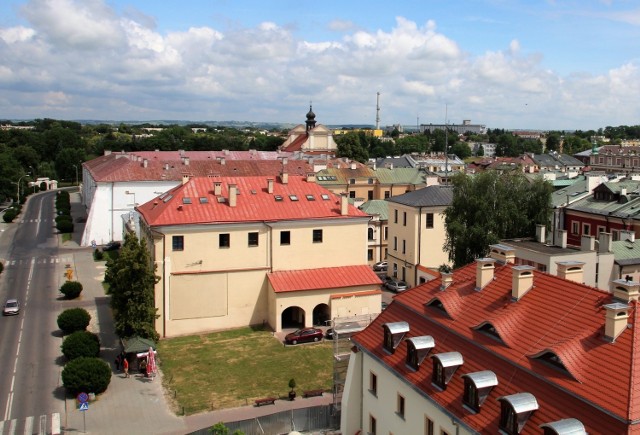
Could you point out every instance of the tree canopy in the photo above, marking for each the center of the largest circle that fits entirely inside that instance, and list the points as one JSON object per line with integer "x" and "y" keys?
{"x": 131, "y": 282}
{"x": 492, "y": 206}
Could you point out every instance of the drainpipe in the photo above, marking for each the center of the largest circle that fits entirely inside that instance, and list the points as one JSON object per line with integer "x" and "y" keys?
{"x": 415, "y": 267}
{"x": 164, "y": 283}
{"x": 111, "y": 235}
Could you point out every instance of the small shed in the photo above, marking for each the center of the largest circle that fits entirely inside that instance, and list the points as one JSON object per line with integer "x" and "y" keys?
{"x": 136, "y": 348}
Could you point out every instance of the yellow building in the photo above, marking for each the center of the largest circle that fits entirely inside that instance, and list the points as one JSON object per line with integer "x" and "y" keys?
{"x": 417, "y": 233}
{"x": 237, "y": 251}
{"x": 310, "y": 138}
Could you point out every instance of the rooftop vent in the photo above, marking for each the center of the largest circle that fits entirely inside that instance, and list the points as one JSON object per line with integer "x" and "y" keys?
{"x": 270, "y": 185}
{"x": 515, "y": 411}
{"x": 567, "y": 426}
{"x": 626, "y": 290}
{"x": 217, "y": 188}
{"x": 393, "y": 334}
{"x": 562, "y": 238}
{"x": 477, "y": 387}
{"x": 541, "y": 233}
{"x": 484, "y": 272}
{"x": 521, "y": 281}
{"x": 344, "y": 205}
{"x": 284, "y": 178}
{"x": 587, "y": 243}
{"x": 417, "y": 350}
{"x": 616, "y": 317}
{"x": 503, "y": 253}
{"x": 444, "y": 367}
{"x": 571, "y": 270}
{"x": 233, "y": 193}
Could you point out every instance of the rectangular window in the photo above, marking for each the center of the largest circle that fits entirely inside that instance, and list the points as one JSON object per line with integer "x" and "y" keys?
{"x": 395, "y": 243}
{"x": 253, "y": 239}
{"x": 352, "y": 194}
{"x": 370, "y": 195}
{"x": 404, "y": 273}
{"x": 386, "y": 233}
{"x": 395, "y": 216}
{"x": 428, "y": 426}
{"x": 177, "y": 243}
{"x": 370, "y": 254}
{"x": 404, "y": 246}
{"x": 372, "y": 425}
{"x": 386, "y": 194}
{"x": 404, "y": 218}
{"x": 574, "y": 227}
{"x": 429, "y": 220}
{"x": 395, "y": 270}
{"x": 285, "y": 237}
{"x": 224, "y": 240}
{"x": 586, "y": 229}
{"x": 373, "y": 383}
{"x": 400, "y": 409}
{"x": 317, "y": 236}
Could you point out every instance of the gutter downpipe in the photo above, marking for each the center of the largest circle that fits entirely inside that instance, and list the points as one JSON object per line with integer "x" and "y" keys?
{"x": 164, "y": 283}
{"x": 415, "y": 267}
{"x": 112, "y": 211}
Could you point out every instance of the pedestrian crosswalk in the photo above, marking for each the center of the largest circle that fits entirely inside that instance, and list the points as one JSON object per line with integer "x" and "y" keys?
{"x": 36, "y": 221}
{"x": 64, "y": 259}
{"x": 47, "y": 424}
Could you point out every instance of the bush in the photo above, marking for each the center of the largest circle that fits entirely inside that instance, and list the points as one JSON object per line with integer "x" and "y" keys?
{"x": 81, "y": 343}
{"x": 1, "y": 267}
{"x": 71, "y": 289}
{"x": 65, "y": 226}
{"x": 63, "y": 217}
{"x": 98, "y": 255}
{"x": 86, "y": 375}
{"x": 73, "y": 319}
{"x": 9, "y": 215}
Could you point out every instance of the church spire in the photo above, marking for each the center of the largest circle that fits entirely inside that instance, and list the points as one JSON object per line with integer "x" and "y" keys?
{"x": 311, "y": 118}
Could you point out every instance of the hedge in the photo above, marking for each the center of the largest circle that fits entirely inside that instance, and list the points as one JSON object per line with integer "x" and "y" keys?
{"x": 84, "y": 374}
{"x": 73, "y": 319}
{"x": 81, "y": 343}
{"x": 71, "y": 289}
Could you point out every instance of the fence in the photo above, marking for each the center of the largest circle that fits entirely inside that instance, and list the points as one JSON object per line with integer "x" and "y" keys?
{"x": 317, "y": 418}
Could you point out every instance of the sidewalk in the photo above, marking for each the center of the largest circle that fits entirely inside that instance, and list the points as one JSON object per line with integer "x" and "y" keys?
{"x": 135, "y": 405}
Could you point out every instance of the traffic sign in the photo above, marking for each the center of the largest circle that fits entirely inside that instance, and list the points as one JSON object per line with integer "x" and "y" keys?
{"x": 83, "y": 397}
{"x": 84, "y": 406}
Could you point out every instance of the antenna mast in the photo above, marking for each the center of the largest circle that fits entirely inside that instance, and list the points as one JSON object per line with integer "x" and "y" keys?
{"x": 446, "y": 144}
{"x": 378, "y": 111}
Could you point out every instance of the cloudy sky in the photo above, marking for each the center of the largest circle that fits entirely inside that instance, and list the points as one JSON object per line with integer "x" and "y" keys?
{"x": 511, "y": 64}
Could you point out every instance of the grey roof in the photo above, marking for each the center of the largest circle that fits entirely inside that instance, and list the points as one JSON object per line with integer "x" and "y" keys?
{"x": 570, "y": 193}
{"x": 616, "y": 306}
{"x": 567, "y": 426}
{"x": 483, "y": 379}
{"x": 590, "y": 205}
{"x": 449, "y": 359}
{"x": 397, "y": 327}
{"x": 587, "y": 153}
{"x": 625, "y": 252}
{"x": 431, "y": 196}
{"x": 568, "y": 160}
{"x": 521, "y": 402}
{"x": 422, "y": 342}
{"x": 397, "y": 162}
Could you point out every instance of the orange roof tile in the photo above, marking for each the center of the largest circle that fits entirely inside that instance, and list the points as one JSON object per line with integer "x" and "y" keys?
{"x": 601, "y": 386}
{"x": 196, "y": 203}
{"x": 323, "y": 278}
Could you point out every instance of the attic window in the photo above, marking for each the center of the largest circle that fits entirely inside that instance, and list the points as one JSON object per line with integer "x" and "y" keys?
{"x": 515, "y": 410}
{"x": 393, "y": 334}
{"x": 477, "y": 387}
{"x": 565, "y": 426}
{"x": 167, "y": 198}
{"x": 437, "y": 304}
{"x": 488, "y": 329}
{"x": 204, "y": 200}
{"x": 552, "y": 359}
{"x": 293, "y": 197}
{"x": 253, "y": 191}
{"x": 221, "y": 199}
{"x": 325, "y": 197}
{"x": 310, "y": 198}
{"x": 186, "y": 200}
{"x": 277, "y": 197}
{"x": 417, "y": 350}
{"x": 163, "y": 195}
{"x": 444, "y": 367}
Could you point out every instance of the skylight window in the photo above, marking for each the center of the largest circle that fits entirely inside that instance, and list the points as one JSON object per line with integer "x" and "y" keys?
{"x": 186, "y": 200}
{"x": 277, "y": 197}
{"x": 310, "y": 198}
{"x": 167, "y": 198}
{"x": 293, "y": 197}
{"x": 253, "y": 191}
{"x": 221, "y": 199}
{"x": 204, "y": 200}
{"x": 325, "y": 197}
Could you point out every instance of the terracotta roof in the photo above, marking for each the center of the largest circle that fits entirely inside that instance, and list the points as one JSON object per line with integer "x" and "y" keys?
{"x": 296, "y": 144}
{"x": 296, "y": 200}
{"x": 323, "y": 278}
{"x": 170, "y": 165}
{"x": 599, "y": 387}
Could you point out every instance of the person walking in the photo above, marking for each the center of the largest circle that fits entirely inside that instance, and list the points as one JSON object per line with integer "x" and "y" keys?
{"x": 125, "y": 366}
{"x": 119, "y": 362}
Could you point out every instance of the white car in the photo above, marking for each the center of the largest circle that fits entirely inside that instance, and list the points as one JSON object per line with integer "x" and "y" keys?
{"x": 380, "y": 266}
{"x": 11, "y": 307}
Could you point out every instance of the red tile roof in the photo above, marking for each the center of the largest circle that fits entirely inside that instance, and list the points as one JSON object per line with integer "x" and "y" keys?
{"x": 253, "y": 202}
{"x": 296, "y": 144}
{"x": 327, "y": 277}
{"x": 602, "y": 384}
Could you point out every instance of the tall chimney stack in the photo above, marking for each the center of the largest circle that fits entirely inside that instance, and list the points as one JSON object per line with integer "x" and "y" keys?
{"x": 269, "y": 185}
{"x": 571, "y": 270}
{"x": 344, "y": 205}
{"x": 217, "y": 188}
{"x": 616, "y": 317}
{"x": 233, "y": 193}
{"x": 521, "y": 281}
{"x": 484, "y": 272}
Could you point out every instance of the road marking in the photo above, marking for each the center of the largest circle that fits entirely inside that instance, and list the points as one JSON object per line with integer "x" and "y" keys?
{"x": 28, "y": 426}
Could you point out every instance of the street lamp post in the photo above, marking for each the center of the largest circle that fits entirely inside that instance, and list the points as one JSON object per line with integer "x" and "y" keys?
{"x": 19, "y": 181}
{"x": 34, "y": 178}
{"x": 76, "y": 168}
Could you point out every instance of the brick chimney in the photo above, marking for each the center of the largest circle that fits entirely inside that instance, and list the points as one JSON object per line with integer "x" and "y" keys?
{"x": 604, "y": 242}
{"x": 502, "y": 253}
{"x": 625, "y": 291}
{"x": 145, "y": 163}
{"x": 484, "y": 272}
{"x": 223, "y": 161}
{"x": 521, "y": 281}
{"x": 185, "y": 160}
{"x": 284, "y": 178}
{"x": 185, "y": 179}
{"x": 233, "y": 193}
{"x": 562, "y": 238}
{"x": 269, "y": 185}
{"x": 616, "y": 318}
{"x": 587, "y": 243}
{"x": 541, "y": 233}
{"x": 353, "y": 165}
{"x": 344, "y": 205}
{"x": 311, "y": 177}
{"x": 285, "y": 160}
{"x": 447, "y": 280}
{"x": 571, "y": 271}
{"x": 217, "y": 188}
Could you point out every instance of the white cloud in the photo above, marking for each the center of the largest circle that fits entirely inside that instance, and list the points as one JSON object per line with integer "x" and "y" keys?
{"x": 16, "y": 34}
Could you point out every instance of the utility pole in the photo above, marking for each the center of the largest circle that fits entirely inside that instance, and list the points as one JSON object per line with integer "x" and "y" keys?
{"x": 446, "y": 144}
{"x": 378, "y": 111}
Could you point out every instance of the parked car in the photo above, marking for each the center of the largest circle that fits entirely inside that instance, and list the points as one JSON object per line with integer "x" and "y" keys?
{"x": 111, "y": 246}
{"x": 329, "y": 334}
{"x": 11, "y": 307}
{"x": 380, "y": 266}
{"x": 304, "y": 335}
{"x": 396, "y": 285}
{"x": 383, "y": 306}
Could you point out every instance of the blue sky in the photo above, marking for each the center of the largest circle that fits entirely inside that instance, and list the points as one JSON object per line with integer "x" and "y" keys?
{"x": 503, "y": 63}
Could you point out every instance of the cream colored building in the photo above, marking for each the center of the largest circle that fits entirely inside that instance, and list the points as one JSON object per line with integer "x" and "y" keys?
{"x": 223, "y": 245}
{"x": 378, "y": 230}
{"x": 310, "y": 138}
{"x": 417, "y": 233}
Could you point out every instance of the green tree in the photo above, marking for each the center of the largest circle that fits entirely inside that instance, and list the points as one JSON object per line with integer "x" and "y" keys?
{"x": 85, "y": 374}
{"x": 131, "y": 282}
{"x": 461, "y": 149}
{"x": 492, "y": 206}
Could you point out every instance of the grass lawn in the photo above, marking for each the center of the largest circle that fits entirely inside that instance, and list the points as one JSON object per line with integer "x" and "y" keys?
{"x": 232, "y": 368}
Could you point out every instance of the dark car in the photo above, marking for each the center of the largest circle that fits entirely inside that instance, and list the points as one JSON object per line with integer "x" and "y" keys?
{"x": 380, "y": 266}
{"x": 329, "y": 334}
{"x": 111, "y": 246}
{"x": 304, "y": 335}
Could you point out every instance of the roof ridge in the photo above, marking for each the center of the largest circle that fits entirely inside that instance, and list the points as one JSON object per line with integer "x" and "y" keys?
{"x": 634, "y": 375}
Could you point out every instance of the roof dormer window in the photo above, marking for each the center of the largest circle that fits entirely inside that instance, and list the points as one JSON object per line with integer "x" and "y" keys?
{"x": 488, "y": 329}
{"x": 393, "y": 334}
{"x": 515, "y": 410}
{"x": 437, "y": 304}
{"x": 550, "y": 358}
{"x": 477, "y": 387}
{"x": 444, "y": 367}
{"x": 566, "y": 426}
{"x": 417, "y": 350}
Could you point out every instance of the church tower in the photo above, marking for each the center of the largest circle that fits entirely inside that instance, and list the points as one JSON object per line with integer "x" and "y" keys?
{"x": 311, "y": 119}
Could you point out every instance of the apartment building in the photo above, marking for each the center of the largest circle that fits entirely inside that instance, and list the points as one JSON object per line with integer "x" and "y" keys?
{"x": 417, "y": 233}
{"x": 498, "y": 348}
{"x": 237, "y": 251}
